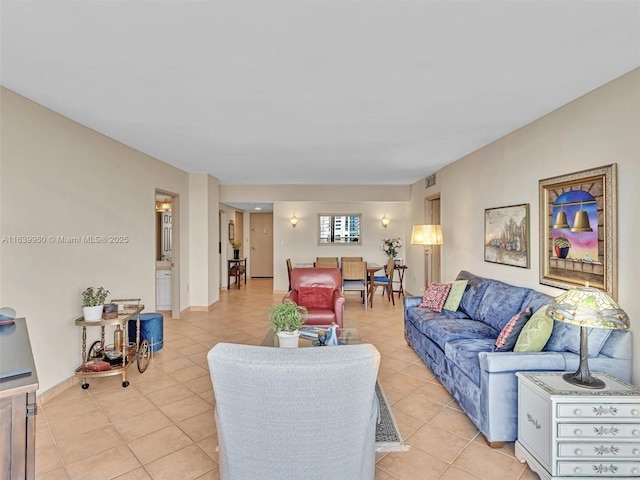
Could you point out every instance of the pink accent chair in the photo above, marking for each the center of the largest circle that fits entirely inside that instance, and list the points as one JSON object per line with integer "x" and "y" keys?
{"x": 319, "y": 290}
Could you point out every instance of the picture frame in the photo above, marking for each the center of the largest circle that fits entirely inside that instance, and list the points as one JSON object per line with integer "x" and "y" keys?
{"x": 578, "y": 229}
{"x": 506, "y": 235}
{"x": 232, "y": 231}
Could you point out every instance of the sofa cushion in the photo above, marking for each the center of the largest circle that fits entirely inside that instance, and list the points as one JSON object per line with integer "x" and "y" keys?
{"x": 500, "y": 303}
{"x": 566, "y": 338}
{"x": 536, "y": 332}
{"x": 536, "y": 300}
{"x": 510, "y": 332}
{"x": 473, "y": 293}
{"x": 442, "y": 330}
{"x": 315, "y": 297}
{"x": 455, "y": 295}
{"x": 434, "y": 296}
{"x": 464, "y": 353}
{"x": 416, "y": 315}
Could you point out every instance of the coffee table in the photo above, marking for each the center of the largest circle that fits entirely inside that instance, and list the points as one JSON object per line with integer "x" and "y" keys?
{"x": 347, "y": 335}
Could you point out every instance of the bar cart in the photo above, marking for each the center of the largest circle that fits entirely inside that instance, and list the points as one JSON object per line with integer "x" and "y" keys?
{"x": 117, "y": 360}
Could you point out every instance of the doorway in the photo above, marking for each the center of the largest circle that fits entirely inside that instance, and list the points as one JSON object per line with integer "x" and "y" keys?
{"x": 167, "y": 242}
{"x": 261, "y": 258}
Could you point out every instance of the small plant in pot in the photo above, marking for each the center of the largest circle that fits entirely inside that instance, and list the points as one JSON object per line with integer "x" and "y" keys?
{"x": 93, "y": 303}
{"x": 236, "y": 248}
{"x": 286, "y": 319}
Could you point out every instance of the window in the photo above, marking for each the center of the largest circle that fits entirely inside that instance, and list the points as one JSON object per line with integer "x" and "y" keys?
{"x": 339, "y": 229}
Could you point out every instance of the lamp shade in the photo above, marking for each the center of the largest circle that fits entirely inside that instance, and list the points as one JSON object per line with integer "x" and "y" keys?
{"x": 426, "y": 235}
{"x": 588, "y": 307}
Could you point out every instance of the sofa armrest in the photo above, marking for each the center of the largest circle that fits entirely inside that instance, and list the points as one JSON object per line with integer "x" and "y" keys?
{"x": 292, "y": 296}
{"x": 410, "y": 302}
{"x": 495, "y": 362}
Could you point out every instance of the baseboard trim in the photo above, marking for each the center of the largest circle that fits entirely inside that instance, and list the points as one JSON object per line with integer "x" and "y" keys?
{"x": 56, "y": 390}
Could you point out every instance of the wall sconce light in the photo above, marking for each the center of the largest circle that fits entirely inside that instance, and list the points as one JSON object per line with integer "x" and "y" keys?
{"x": 384, "y": 221}
{"x": 293, "y": 220}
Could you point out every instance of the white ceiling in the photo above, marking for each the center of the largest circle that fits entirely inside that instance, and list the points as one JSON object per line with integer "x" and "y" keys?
{"x": 312, "y": 92}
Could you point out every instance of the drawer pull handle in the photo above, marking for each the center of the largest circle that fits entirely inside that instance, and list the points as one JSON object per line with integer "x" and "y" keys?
{"x": 635, "y": 412}
{"x": 636, "y": 433}
{"x": 635, "y": 471}
{"x": 577, "y": 432}
{"x": 577, "y": 470}
{"x": 577, "y": 412}
{"x": 578, "y": 452}
{"x": 636, "y": 451}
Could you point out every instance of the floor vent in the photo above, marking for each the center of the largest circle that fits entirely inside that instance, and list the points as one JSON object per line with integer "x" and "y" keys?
{"x": 430, "y": 181}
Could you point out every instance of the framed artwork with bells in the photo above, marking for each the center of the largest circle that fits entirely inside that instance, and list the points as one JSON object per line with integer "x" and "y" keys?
{"x": 578, "y": 229}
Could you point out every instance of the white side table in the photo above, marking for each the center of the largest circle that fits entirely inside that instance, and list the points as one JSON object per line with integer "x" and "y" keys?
{"x": 569, "y": 431}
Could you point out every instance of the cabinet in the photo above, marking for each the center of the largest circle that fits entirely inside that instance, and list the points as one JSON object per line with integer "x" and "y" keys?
{"x": 17, "y": 402}
{"x": 163, "y": 289}
{"x": 568, "y": 431}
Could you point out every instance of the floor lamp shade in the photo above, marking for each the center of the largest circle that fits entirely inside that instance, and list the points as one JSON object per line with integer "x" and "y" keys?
{"x": 587, "y": 307}
{"x": 426, "y": 235}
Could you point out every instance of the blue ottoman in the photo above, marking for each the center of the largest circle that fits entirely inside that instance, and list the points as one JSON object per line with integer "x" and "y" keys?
{"x": 151, "y": 329}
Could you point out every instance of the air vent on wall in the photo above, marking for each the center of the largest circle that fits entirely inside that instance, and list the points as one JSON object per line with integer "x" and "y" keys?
{"x": 430, "y": 181}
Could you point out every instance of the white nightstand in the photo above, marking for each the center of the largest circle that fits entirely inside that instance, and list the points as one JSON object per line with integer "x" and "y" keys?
{"x": 569, "y": 431}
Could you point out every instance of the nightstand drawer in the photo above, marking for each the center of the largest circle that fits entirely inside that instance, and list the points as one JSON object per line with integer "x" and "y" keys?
{"x": 620, "y": 431}
{"x": 599, "y": 410}
{"x": 598, "y": 469}
{"x": 608, "y": 449}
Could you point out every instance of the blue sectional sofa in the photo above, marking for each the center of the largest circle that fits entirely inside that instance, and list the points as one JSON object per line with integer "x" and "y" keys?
{"x": 459, "y": 348}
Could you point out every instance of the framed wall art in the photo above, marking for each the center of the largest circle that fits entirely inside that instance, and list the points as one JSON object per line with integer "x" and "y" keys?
{"x": 578, "y": 230}
{"x": 506, "y": 235}
{"x": 232, "y": 231}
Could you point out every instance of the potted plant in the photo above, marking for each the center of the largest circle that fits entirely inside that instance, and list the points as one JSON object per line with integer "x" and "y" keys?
{"x": 93, "y": 302}
{"x": 561, "y": 246}
{"x": 286, "y": 319}
{"x": 236, "y": 244}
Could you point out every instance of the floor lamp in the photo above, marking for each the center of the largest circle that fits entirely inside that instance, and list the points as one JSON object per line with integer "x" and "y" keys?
{"x": 427, "y": 235}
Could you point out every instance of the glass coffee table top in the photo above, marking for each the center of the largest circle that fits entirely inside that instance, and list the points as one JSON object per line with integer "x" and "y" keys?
{"x": 346, "y": 336}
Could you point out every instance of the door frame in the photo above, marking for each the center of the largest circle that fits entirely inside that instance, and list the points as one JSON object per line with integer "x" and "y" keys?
{"x": 175, "y": 243}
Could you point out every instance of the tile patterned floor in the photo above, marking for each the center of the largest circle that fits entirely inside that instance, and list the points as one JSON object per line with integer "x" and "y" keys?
{"x": 162, "y": 426}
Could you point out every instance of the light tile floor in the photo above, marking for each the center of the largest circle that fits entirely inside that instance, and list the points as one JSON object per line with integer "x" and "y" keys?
{"x": 162, "y": 425}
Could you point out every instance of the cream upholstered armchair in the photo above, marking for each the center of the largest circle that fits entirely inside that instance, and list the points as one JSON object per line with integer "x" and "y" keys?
{"x": 320, "y": 291}
{"x": 303, "y": 413}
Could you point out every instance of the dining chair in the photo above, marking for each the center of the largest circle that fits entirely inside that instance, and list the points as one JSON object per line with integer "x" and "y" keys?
{"x": 354, "y": 278}
{"x": 350, "y": 259}
{"x": 385, "y": 281}
{"x": 326, "y": 262}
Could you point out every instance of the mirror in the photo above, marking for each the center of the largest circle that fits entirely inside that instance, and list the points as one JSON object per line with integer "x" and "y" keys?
{"x": 339, "y": 229}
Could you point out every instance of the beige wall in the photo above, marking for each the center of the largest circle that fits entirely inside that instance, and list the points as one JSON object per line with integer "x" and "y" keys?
{"x": 300, "y": 244}
{"x": 62, "y": 179}
{"x": 598, "y": 129}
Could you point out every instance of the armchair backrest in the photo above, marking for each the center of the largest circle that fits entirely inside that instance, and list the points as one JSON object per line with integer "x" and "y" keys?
{"x": 271, "y": 404}
{"x": 315, "y": 277}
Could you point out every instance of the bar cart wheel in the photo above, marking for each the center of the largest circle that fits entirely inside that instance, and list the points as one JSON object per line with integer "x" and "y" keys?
{"x": 143, "y": 355}
{"x": 125, "y": 384}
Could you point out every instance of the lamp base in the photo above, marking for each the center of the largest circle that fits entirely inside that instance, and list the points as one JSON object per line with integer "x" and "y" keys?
{"x": 588, "y": 381}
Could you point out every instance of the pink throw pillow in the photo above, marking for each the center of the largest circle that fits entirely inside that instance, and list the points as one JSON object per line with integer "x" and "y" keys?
{"x": 435, "y": 295}
{"x": 315, "y": 297}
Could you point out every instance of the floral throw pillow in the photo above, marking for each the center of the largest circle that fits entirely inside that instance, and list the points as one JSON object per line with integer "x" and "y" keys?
{"x": 435, "y": 295}
{"x": 510, "y": 332}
